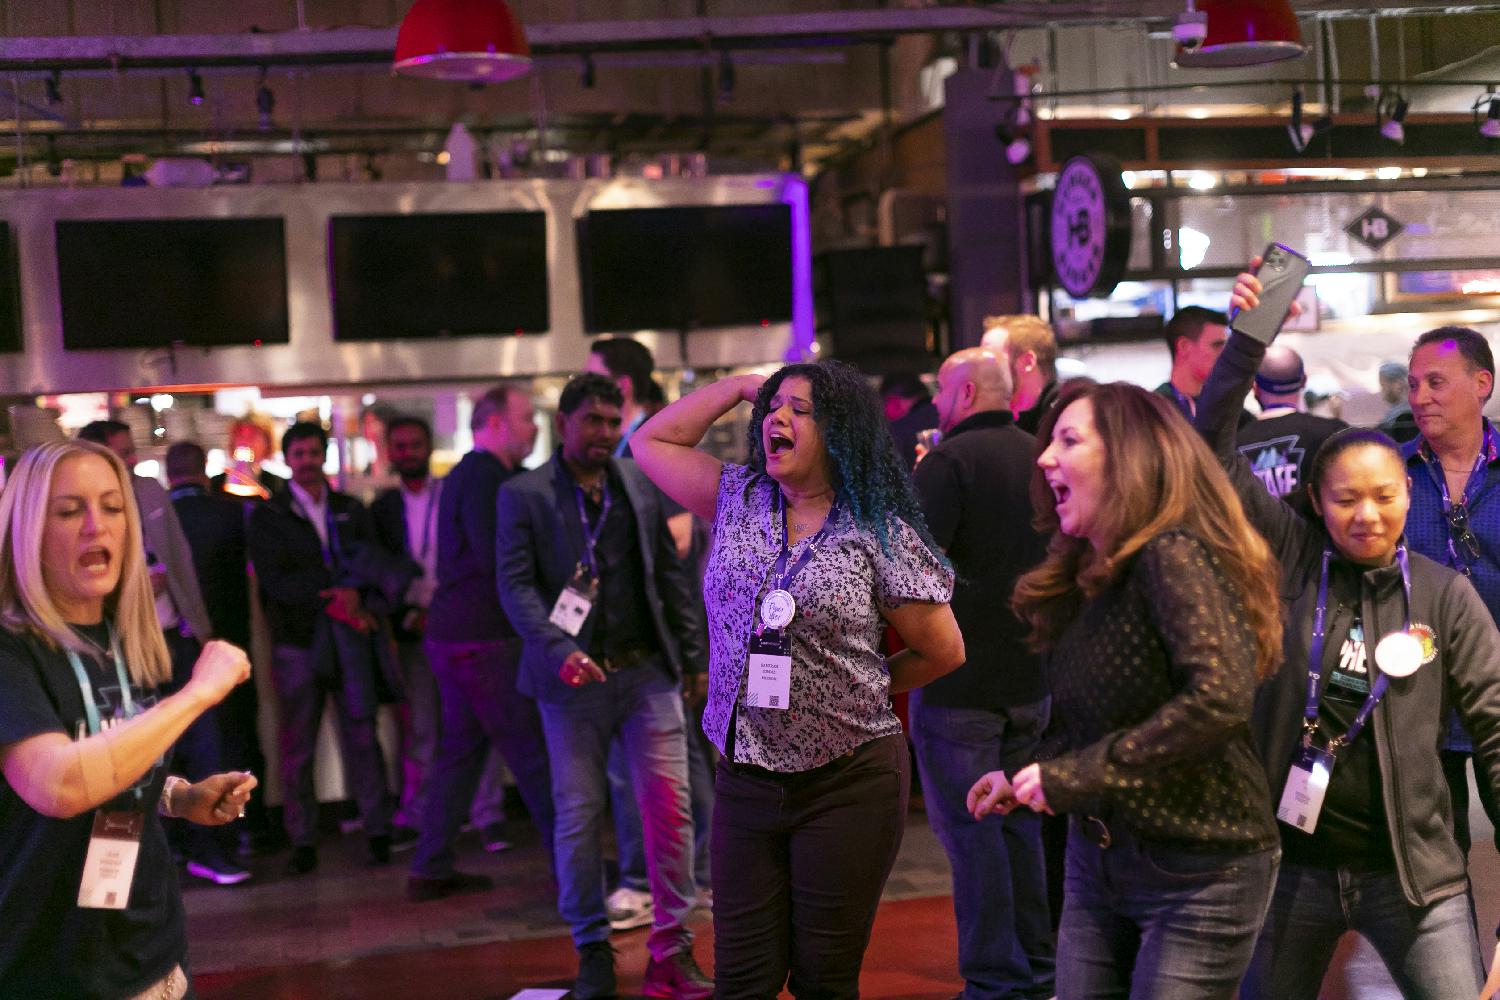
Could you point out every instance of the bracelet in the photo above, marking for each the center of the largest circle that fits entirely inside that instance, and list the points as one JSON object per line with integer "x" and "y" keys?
{"x": 164, "y": 804}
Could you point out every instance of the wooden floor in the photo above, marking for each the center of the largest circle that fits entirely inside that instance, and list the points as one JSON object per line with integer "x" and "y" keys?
{"x": 346, "y": 931}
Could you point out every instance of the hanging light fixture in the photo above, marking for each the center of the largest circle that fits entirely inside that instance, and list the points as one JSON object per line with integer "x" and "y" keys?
{"x": 1218, "y": 33}
{"x": 195, "y": 88}
{"x": 1490, "y": 127}
{"x": 479, "y": 41}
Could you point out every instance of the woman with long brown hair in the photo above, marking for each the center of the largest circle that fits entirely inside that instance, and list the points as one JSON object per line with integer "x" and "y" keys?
{"x": 1157, "y": 608}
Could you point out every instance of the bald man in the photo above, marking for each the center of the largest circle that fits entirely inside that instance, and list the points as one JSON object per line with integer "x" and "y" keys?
{"x": 1282, "y": 443}
{"x": 989, "y": 713}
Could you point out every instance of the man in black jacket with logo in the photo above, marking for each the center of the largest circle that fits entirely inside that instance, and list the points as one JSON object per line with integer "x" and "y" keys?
{"x": 310, "y": 546}
{"x": 1280, "y": 445}
{"x": 989, "y": 713}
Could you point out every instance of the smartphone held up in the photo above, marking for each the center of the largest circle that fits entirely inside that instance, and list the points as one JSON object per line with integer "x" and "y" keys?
{"x": 1282, "y": 271}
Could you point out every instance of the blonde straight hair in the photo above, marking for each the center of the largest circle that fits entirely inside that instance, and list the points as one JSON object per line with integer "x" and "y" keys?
{"x": 26, "y": 606}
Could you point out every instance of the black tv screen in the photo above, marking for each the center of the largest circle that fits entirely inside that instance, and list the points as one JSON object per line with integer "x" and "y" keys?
{"x": 155, "y": 282}
{"x": 686, "y": 267}
{"x": 443, "y": 275}
{"x": 10, "y": 294}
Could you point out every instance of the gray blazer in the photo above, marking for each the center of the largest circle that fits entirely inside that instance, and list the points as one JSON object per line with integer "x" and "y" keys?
{"x": 163, "y": 537}
{"x": 539, "y": 543}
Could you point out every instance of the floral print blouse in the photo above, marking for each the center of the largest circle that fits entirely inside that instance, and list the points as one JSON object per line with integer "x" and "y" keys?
{"x": 840, "y": 688}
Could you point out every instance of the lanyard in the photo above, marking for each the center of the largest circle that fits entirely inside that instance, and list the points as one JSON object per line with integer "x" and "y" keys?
{"x": 624, "y": 445}
{"x": 591, "y": 535}
{"x": 329, "y": 542}
{"x": 86, "y": 688}
{"x": 781, "y": 576}
{"x": 1315, "y": 659}
{"x": 1186, "y": 403}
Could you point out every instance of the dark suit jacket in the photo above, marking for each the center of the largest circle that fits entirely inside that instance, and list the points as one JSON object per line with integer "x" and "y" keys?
{"x": 539, "y": 543}
{"x": 289, "y": 560}
{"x": 388, "y": 519}
{"x": 214, "y": 524}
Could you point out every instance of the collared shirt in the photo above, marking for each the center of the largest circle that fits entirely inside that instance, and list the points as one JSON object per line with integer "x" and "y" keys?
{"x": 1428, "y": 531}
{"x": 840, "y": 688}
{"x": 316, "y": 512}
{"x": 622, "y": 626}
{"x": 420, "y": 510}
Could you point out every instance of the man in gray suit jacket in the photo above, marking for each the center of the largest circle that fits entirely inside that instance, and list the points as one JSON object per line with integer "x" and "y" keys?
{"x": 589, "y": 576}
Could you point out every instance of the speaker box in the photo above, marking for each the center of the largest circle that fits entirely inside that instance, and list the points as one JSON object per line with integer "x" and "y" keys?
{"x": 872, "y": 304}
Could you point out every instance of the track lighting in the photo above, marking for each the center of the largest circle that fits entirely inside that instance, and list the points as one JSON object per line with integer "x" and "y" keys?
{"x": 265, "y": 103}
{"x": 1394, "y": 128}
{"x": 53, "y": 83}
{"x": 726, "y": 77}
{"x": 1490, "y": 127}
{"x": 1301, "y": 132}
{"x": 195, "y": 88}
{"x": 586, "y": 77}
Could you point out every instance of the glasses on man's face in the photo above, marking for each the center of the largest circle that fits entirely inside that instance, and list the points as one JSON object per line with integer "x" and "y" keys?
{"x": 1460, "y": 538}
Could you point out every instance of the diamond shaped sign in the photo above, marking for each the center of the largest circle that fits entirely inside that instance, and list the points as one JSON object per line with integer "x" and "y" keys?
{"x": 1374, "y": 228}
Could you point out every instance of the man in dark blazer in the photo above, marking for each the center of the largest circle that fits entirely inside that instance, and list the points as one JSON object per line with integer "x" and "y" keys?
{"x": 589, "y": 576}
{"x": 319, "y": 567}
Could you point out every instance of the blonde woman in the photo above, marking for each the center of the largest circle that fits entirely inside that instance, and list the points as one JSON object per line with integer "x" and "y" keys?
{"x": 89, "y": 901}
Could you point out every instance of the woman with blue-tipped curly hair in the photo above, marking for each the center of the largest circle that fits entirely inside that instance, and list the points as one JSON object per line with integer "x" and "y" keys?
{"x": 818, "y": 545}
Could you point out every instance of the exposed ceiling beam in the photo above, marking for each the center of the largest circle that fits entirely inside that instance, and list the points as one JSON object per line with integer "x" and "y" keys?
{"x": 373, "y": 47}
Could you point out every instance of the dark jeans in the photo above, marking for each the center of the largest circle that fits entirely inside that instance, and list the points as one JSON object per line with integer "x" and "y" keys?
{"x": 300, "y": 694}
{"x": 480, "y": 706}
{"x": 799, "y": 861}
{"x": 1150, "y": 922}
{"x": 1431, "y": 951}
{"x": 1005, "y": 942}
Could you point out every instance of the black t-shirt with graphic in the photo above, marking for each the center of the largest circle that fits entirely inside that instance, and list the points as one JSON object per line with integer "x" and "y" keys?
{"x": 1352, "y": 831}
{"x": 49, "y": 946}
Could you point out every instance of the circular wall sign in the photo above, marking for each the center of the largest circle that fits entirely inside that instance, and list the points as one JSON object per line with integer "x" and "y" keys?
{"x": 1090, "y": 225}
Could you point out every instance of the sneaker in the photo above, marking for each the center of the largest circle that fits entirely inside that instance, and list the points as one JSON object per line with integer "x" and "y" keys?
{"x": 219, "y": 871}
{"x": 422, "y": 890}
{"x": 629, "y": 908}
{"x": 492, "y": 839}
{"x": 303, "y": 860}
{"x": 676, "y": 977}
{"x": 596, "y": 972}
{"x": 403, "y": 838}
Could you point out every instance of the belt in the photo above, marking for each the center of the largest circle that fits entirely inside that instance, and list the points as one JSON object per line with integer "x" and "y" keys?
{"x": 625, "y": 659}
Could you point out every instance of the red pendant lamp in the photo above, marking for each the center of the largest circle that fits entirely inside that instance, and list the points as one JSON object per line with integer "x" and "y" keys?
{"x": 1243, "y": 33}
{"x": 478, "y": 41}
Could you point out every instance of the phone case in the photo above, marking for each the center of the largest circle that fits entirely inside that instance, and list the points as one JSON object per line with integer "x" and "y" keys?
{"x": 1282, "y": 271}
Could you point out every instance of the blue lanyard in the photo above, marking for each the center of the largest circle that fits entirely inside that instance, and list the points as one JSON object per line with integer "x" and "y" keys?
{"x": 433, "y": 485}
{"x": 1441, "y": 481}
{"x": 1315, "y": 659}
{"x": 782, "y": 577}
{"x": 591, "y": 535}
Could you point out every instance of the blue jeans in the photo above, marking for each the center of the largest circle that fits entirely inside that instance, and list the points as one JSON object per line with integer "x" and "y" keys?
{"x": 480, "y": 708}
{"x": 1005, "y": 945}
{"x": 1150, "y": 922}
{"x": 1431, "y": 951}
{"x": 629, "y": 841}
{"x": 642, "y": 707}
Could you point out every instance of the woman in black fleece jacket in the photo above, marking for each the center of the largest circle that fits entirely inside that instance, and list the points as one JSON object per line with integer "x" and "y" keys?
{"x": 1368, "y": 845}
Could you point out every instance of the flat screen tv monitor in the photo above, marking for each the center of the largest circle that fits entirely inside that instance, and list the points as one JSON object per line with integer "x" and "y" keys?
{"x": 462, "y": 274}
{"x": 686, "y": 267}
{"x": 10, "y": 295}
{"x": 157, "y": 282}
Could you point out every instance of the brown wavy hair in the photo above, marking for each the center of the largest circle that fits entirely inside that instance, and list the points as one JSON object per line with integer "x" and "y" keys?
{"x": 1160, "y": 476}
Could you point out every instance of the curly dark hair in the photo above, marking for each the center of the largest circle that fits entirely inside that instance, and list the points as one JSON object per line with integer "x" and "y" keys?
{"x": 868, "y": 478}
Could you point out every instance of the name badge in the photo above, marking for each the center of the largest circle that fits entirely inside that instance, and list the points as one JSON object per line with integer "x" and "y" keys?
{"x": 571, "y": 610}
{"x": 109, "y": 867}
{"x": 1306, "y": 785}
{"x": 770, "y": 671}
